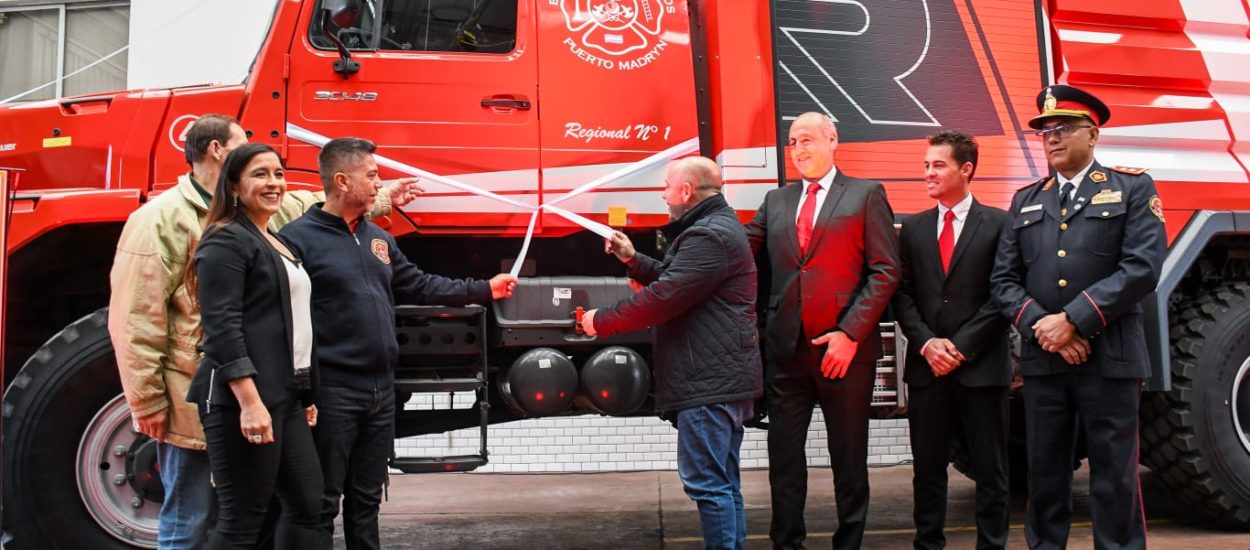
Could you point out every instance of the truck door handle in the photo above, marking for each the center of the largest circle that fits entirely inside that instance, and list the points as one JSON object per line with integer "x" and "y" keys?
{"x": 506, "y": 103}
{"x": 86, "y": 105}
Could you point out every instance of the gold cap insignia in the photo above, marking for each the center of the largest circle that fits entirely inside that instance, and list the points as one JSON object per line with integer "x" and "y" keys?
{"x": 1050, "y": 103}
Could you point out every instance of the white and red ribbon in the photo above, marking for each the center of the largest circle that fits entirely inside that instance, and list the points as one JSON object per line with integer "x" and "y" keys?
{"x": 680, "y": 150}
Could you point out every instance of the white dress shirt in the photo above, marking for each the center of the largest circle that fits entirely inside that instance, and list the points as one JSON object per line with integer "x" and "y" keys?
{"x": 961, "y": 215}
{"x": 824, "y": 183}
{"x": 1076, "y": 180}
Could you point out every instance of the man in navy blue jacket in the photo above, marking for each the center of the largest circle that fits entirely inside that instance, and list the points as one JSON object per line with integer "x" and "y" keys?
{"x": 1084, "y": 247}
{"x": 357, "y": 273}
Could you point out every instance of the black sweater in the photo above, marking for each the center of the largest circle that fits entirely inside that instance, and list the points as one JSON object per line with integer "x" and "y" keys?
{"x": 357, "y": 278}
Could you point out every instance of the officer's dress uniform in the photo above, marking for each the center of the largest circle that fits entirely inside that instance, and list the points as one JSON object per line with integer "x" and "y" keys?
{"x": 1093, "y": 256}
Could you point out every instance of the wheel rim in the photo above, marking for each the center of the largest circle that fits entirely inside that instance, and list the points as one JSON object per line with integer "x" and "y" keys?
{"x": 1240, "y": 403}
{"x": 106, "y": 451}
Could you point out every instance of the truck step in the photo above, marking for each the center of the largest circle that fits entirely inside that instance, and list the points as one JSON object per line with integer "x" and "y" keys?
{"x": 433, "y": 464}
{"x": 438, "y": 385}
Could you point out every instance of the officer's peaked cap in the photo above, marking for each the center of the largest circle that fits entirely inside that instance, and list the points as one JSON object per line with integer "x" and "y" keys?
{"x": 1063, "y": 100}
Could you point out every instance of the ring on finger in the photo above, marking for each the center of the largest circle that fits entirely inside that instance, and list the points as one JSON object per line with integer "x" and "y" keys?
{"x": 255, "y": 438}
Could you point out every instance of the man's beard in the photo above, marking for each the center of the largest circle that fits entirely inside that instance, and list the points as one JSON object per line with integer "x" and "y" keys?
{"x": 676, "y": 211}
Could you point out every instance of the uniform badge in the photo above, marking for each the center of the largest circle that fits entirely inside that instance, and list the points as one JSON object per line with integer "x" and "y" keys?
{"x": 1049, "y": 183}
{"x": 381, "y": 250}
{"x": 1129, "y": 170}
{"x": 1050, "y": 103}
{"x": 1156, "y": 207}
{"x": 1106, "y": 196}
{"x": 1097, "y": 177}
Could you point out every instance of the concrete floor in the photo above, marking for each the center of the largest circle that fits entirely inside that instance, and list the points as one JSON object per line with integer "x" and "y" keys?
{"x": 626, "y": 511}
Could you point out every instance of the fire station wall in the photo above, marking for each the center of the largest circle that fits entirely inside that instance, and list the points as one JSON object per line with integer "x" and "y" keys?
{"x": 590, "y": 443}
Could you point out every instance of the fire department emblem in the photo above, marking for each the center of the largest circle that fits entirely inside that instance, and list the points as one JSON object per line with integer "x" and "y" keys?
{"x": 381, "y": 250}
{"x": 626, "y": 30}
{"x": 1156, "y": 207}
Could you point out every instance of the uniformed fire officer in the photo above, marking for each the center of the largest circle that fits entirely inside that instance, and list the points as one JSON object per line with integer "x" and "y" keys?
{"x": 1082, "y": 250}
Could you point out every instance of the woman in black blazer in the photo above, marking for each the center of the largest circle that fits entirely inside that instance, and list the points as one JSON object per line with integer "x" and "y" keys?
{"x": 255, "y": 385}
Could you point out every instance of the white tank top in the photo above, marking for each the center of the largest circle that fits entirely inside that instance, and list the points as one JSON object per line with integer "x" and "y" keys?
{"x": 301, "y": 314}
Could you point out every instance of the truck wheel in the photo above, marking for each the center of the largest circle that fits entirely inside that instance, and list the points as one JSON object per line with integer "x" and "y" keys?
{"x": 1196, "y": 437}
{"x": 76, "y": 475}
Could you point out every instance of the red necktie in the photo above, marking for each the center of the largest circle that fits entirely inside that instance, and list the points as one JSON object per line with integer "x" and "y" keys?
{"x": 806, "y": 216}
{"x": 946, "y": 241}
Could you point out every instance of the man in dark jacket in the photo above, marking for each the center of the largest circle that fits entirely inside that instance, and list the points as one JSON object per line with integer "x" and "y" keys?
{"x": 357, "y": 273}
{"x": 958, "y": 368}
{"x": 701, "y": 301}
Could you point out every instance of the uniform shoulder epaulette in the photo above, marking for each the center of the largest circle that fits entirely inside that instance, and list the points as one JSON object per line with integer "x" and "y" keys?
{"x": 1129, "y": 170}
{"x": 1046, "y": 180}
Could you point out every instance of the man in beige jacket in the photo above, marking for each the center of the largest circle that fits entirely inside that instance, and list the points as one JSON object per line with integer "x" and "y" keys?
{"x": 155, "y": 323}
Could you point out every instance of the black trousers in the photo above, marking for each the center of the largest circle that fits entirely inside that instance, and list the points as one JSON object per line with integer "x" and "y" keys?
{"x": 937, "y": 414}
{"x": 1107, "y": 408}
{"x": 246, "y": 477}
{"x": 794, "y": 389}
{"x": 355, "y": 434}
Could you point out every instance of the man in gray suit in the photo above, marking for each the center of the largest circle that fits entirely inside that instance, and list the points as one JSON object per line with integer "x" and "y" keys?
{"x": 830, "y": 246}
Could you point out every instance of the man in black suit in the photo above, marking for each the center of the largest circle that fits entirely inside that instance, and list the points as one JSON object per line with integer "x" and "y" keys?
{"x": 829, "y": 243}
{"x": 958, "y": 368}
{"x": 1083, "y": 249}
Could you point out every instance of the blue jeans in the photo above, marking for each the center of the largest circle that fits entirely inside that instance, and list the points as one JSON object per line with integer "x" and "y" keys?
{"x": 709, "y": 439}
{"x": 188, "y": 503}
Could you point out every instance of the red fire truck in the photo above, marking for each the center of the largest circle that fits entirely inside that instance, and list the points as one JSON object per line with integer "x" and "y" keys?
{"x": 529, "y": 99}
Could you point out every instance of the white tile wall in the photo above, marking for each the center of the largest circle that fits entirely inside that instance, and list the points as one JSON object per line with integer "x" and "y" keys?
{"x": 601, "y": 444}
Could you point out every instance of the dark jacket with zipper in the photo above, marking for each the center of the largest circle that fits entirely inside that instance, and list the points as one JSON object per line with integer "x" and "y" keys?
{"x": 245, "y": 305}
{"x": 701, "y": 300}
{"x": 357, "y": 277}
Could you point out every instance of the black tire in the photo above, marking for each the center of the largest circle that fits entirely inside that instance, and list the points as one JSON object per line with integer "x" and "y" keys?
{"x": 1190, "y": 438}
{"x": 56, "y": 396}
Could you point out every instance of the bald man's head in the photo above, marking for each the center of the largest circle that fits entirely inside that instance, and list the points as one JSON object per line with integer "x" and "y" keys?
{"x": 820, "y": 121}
{"x": 813, "y": 141}
{"x": 703, "y": 173}
{"x": 688, "y": 182}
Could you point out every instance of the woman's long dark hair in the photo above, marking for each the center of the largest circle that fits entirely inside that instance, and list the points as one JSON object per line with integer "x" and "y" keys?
{"x": 225, "y": 208}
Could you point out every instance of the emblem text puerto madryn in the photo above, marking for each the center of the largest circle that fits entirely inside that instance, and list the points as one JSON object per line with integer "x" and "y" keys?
{"x": 616, "y": 34}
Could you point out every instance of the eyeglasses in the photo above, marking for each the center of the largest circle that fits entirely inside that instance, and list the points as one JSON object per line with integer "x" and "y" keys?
{"x": 1062, "y": 130}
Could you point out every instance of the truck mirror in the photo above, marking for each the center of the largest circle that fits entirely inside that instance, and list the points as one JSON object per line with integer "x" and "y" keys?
{"x": 343, "y": 13}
